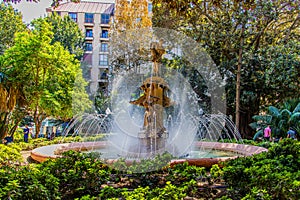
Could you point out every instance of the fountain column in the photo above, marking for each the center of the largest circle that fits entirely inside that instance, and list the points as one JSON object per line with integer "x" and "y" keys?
{"x": 154, "y": 99}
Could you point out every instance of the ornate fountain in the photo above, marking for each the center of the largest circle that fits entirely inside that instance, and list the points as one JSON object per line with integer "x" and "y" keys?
{"x": 140, "y": 128}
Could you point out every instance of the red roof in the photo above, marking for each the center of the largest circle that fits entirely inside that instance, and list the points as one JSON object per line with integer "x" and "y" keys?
{"x": 84, "y": 7}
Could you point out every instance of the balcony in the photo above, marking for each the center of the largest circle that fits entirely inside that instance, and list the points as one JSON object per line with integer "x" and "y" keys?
{"x": 105, "y": 25}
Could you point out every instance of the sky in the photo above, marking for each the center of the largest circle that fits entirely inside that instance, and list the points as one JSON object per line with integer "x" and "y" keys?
{"x": 32, "y": 10}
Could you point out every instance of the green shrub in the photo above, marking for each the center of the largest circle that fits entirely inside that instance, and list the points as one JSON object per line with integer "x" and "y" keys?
{"x": 108, "y": 192}
{"x": 170, "y": 192}
{"x": 181, "y": 173}
{"x": 79, "y": 173}
{"x": 275, "y": 173}
{"x": 10, "y": 154}
{"x": 27, "y": 183}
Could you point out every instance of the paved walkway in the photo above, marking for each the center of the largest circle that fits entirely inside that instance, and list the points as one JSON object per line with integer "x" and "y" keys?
{"x": 26, "y": 156}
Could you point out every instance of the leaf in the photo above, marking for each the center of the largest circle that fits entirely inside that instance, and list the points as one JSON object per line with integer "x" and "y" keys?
{"x": 295, "y": 118}
{"x": 297, "y": 109}
{"x": 285, "y": 113}
{"x": 274, "y": 111}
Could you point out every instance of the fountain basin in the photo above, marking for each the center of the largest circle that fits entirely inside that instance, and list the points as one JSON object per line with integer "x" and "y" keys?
{"x": 44, "y": 153}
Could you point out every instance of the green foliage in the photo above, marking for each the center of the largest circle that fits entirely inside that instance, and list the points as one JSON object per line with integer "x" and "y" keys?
{"x": 102, "y": 102}
{"x": 138, "y": 193}
{"x": 11, "y": 22}
{"x": 257, "y": 194}
{"x": 79, "y": 173}
{"x": 67, "y": 32}
{"x": 184, "y": 173}
{"x": 45, "y": 72}
{"x": 108, "y": 192}
{"x": 80, "y": 99}
{"x": 194, "y": 77}
{"x": 144, "y": 165}
{"x": 272, "y": 175}
{"x": 38, "y": 142}
{"x": 280, "y": 118}
{"x": 11, "y": 96}
{"x": 10, "y": 154}
{"x": 28, "y": 183}
{"x": 169, "y": 192}
{"x": 269, "y": 175}
{"x": 270, "y": 56}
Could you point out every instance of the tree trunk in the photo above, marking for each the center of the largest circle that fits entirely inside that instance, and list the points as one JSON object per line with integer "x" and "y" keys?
{"x": 3, "y": 125}
{"x": 238, "y": 81}
{"x": 38, "y": 119}
{"x": 15, "y": 126}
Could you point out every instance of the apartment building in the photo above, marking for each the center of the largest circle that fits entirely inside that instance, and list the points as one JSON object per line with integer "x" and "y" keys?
{"x": 93, "y": 18}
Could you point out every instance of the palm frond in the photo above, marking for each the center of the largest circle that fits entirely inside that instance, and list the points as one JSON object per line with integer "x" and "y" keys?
{"x": 297, "y": 108}
{"x": 283, "y": 125}
{"x": 262, "y": 119}
{"x": 274, "y": 111}
{"x": 285, "y": 113}
{"x": 254, "y": 125}
{"x": 295, "y": 118}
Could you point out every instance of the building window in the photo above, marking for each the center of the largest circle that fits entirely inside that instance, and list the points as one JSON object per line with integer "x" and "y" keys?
{"x": 104, "y": 47}
{"x": 89, "y": 46}
{"x": 89, "y": 33}
{"x": 149, "y": 7}
{"x": 88, "y": 58}
{"x": 73, "y": 16}
{"x": 89, "y": 18}
{"x": 104, "y": 34}
{"x": 105, "y": 18}
{"x": 103, "y": 60}
{"x": 103, "y": 73}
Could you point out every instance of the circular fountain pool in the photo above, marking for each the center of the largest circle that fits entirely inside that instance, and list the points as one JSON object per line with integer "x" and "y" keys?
{"x": 208, "y": 153}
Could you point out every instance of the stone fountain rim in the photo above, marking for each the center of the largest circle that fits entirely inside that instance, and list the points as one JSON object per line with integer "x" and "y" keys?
{"x": 241, "y": 149}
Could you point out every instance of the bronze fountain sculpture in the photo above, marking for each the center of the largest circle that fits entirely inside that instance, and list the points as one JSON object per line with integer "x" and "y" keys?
{"x": 154, "y": 99}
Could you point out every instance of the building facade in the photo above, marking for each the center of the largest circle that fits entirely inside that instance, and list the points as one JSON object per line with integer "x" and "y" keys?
{"x": 93, "y": 18}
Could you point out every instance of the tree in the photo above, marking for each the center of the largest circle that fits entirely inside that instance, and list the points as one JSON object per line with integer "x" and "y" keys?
{"x": 11, "y": 95}
{"x": 231, "y": 31}
{"x": 46, "y": 71}
{"x": 130, "y": 35}
{"x": 11, "y": 22}
{"x": 67, "y": 32}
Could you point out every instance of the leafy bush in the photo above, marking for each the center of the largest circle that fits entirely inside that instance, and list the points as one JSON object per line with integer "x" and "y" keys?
{"x": 108, "y": 192}
{"x": 144, "y": 165}
{"x": 27, "y": 183}
{"x": 79, "y": 173}
{"x": 275, "y": 173}
{"x": 168, "y": 192}
{"x": 181, "y": 173}
{"x": 10, "y": 154}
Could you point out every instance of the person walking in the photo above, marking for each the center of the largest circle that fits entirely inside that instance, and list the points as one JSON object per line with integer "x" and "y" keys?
{"x": 267, "y": 133}
{"x": 291, "y": 134}
{"x": 26, "y": 133}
